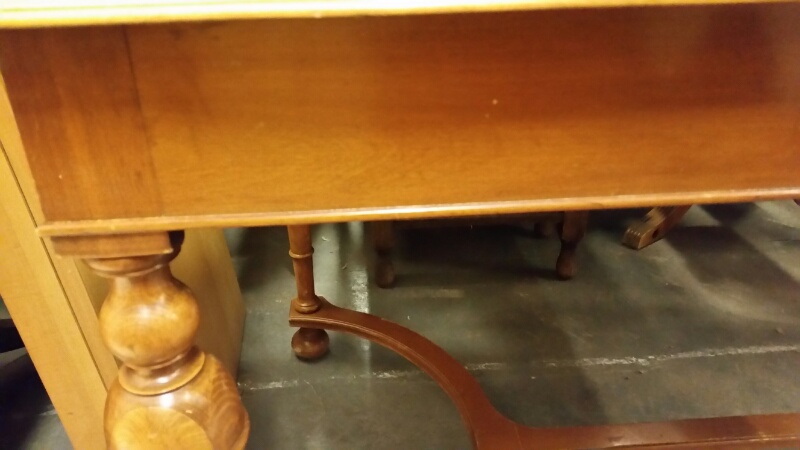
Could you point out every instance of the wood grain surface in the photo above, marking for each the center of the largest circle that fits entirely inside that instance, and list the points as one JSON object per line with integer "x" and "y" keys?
{"x": 255, "y": 122}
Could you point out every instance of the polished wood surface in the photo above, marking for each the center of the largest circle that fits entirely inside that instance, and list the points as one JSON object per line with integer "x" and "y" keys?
{"x": 38, "y": 13}
{"x": 169, "y": 393}
{"x": 576, "y": 100}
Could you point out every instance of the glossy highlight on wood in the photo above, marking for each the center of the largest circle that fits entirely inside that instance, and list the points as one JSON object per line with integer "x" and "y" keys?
{"x": 38, "y": 13}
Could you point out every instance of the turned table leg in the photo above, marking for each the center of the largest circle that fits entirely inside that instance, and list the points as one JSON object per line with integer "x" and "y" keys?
{"x": 383, "y": 242}
{"x": 307, "y": 343}
{"x": 572, "y": 231}
{"x": 654, "y": 226}
{"x": 169, "y": 394}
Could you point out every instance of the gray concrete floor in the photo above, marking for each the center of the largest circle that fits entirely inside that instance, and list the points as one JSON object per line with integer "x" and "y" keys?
{"x": 704, "y": 323}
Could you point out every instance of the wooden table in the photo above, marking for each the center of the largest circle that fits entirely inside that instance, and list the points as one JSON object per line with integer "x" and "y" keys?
{"x": 135, "y": 131}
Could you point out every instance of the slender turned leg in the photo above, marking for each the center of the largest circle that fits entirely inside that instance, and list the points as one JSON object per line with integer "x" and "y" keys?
{"x": 169, "y": 394}
{"x": 307, "y": 343}
{"x": 572, "y": 231}
{"x": 383, "y": 241}
{"x": 653, "y": 226}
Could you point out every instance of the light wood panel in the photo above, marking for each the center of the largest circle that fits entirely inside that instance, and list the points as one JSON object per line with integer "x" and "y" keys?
{"x": 205, "y": 266}
{"x": 426, "y": 116}
{"x": 42, "y": 313}
{"x": 38, "y": 13}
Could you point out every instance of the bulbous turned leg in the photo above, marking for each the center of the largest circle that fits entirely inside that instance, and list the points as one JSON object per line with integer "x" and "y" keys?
{"x": 383, "y": 242}
{"x": 169, "y": 394}
{"x": 572, "y": 231}
{"x": 307, "y": 343}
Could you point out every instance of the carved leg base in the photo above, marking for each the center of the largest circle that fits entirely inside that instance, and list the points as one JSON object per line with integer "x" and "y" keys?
{"x": 572, "y": 231}
{"x": 310, "y": 343}
{"x": 205, "y": 413}
{"x": 654, "y": 226}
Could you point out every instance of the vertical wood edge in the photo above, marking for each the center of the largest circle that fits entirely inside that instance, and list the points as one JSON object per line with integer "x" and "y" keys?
{"x": 46, "y": 321}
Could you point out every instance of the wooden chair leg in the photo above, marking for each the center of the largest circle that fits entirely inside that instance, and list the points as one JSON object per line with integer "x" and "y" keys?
{"x": 307, "y": 343}
{"x": 169, "y": 393}
{"x": 572, "y": 231}
{"x": 654, "y": 226}
{"x": 383, "y": 242}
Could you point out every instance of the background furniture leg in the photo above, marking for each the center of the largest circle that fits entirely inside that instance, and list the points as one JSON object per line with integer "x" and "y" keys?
{"x": 572, "y": 231}
{"x": 383, "y": 242}
{"x": 307, "y": 343}
{"x": 654, "y": 226}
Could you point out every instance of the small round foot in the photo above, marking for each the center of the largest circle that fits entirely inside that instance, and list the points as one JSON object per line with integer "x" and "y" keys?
{"x": 310, "y": 343}
{"x": 384, "y": 274}
{"x": 566, "y": 266}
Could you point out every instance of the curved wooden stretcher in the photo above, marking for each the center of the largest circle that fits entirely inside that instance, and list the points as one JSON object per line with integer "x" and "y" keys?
{"x": 487, "y": 427}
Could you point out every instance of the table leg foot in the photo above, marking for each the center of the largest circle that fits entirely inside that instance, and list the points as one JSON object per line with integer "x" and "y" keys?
{"x": 169, "y": 393}
{"x": 310, "y": 343}
{"x": 572, "y": 231}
